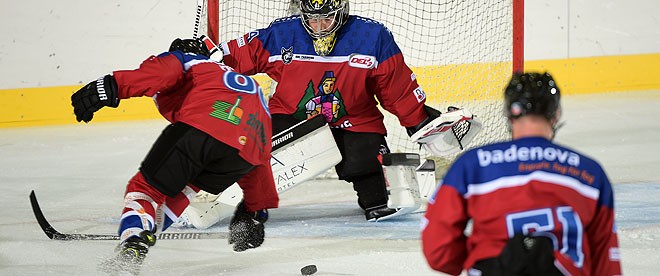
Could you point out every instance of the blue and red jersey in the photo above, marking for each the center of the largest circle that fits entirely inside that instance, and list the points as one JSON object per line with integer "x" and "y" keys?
{"x": 365, "y": 68}
{"x": 213, "y": 98}
{"x": 525, "y": 186}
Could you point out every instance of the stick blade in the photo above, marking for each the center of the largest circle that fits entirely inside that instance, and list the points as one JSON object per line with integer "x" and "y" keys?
{"x": 45, "y": 226}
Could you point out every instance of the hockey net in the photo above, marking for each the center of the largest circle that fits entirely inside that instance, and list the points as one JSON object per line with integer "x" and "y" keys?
{"x": 461, "y": 52}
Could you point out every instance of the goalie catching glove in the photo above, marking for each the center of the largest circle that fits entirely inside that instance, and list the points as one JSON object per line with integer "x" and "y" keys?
{"x": 93, "y": 96}
{"x": 432, "y": 112}
{"x": 443, "y": 134}
{"x": 246, "y": 229}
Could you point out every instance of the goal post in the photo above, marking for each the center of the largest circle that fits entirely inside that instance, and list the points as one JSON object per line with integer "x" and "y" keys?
{"x": 462, "y": 52}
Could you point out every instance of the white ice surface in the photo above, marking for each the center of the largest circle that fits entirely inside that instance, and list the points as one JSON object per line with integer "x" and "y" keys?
{"x": 79, "y": 173}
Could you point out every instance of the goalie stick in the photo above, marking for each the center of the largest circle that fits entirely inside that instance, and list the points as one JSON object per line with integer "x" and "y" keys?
{"x": 56, "y": 235}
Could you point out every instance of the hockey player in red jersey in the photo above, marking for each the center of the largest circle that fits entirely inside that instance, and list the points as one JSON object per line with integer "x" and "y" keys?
{"x": 342, "y": 67}
{"x": 537, "y": 208}
{"x": 220, "y": 133}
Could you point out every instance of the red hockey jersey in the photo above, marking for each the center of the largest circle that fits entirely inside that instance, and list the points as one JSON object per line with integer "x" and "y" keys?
{"x": 365, "y": 68}
{"x": 526, "y": 186}
{"x": 213, "y": 98}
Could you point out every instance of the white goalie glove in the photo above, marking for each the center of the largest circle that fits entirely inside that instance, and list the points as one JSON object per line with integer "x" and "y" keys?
{"x": 449, "y": 133}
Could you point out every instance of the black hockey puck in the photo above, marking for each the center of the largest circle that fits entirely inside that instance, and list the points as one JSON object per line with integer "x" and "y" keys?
{"x": 308, "y": 270}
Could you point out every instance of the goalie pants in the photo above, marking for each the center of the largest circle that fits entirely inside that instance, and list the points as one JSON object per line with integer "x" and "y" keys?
{"x": 360, "y": 164}
{"x": 182, "y": 161}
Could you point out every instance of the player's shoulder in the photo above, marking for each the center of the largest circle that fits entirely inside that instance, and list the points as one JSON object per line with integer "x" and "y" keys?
{"x": 585, "y": 160}
{"x": 361, "y": 20}
{"x": 280, "y": 29}
{"x": 284, "y": 22}
{"x": 187, "y": 60}
{"x": 374, "y": 38}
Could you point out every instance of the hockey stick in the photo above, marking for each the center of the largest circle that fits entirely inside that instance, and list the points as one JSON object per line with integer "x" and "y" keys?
{"x": 210, "y": 45}
{"x": 56, "y": 235}
{"x": 198, "y": 17}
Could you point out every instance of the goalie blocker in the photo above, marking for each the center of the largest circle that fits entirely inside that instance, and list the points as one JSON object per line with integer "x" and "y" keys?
{"x": 299, "y": 153}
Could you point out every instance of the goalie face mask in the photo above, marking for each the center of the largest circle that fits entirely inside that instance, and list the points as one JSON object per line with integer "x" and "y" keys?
{"x": 532, "y": 93}
{"x": 322, "y": 19}
{"x": 194, "y": 46}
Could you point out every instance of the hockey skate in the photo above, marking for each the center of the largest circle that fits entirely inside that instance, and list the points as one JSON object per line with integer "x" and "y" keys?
{"x": 379, "y": 213}
{"x": 130, "y": 256}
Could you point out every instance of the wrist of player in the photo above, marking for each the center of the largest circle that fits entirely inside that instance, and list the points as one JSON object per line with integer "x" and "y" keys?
{"x": 431, "y": 112}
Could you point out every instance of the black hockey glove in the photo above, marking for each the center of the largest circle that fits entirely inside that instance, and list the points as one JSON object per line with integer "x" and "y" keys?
{"x": 194, "y": 46}
{"x": 246, "y": 229}
{"x": 525, "y": 255}
{"x": 95, "y": 95}
{"x": 432, "y": 112}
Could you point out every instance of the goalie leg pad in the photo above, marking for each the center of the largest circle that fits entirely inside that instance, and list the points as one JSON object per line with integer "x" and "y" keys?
{"x": 401, "y": 179}
{"x": 202, "y": 215}
{"x": 426, "y": 179}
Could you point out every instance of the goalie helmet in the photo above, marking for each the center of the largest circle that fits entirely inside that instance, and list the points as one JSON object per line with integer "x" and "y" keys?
{"x": 322, "y": 19}
{"x": 532, "y": 93}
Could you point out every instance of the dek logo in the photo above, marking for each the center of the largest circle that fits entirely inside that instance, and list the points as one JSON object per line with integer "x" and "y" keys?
{"x": 362, "y": 61}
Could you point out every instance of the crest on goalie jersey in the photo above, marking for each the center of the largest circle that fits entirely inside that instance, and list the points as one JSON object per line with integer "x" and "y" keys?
{"x": 325, "y": 100}
{"x": 287, "y": 55}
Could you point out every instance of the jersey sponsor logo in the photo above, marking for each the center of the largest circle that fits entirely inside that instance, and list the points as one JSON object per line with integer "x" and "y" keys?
{"x": 240, "y": 41}
{"x": 229, "y": 112}
{"x": 304, "y": 57}
{"x": 287, "y": 55}
{"x": 326, "y": 100}
{"x": 362, "y": 61}
{"x": 419, "y": 94}
{"x": 522, "y": 154}
{"x": 257, "y": 127}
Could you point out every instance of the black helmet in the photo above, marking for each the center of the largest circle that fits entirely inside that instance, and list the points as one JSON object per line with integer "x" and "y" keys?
{"x": 532, "y": 93}
{"x": 194, "y": 46}
{"x": 314, "y": 9}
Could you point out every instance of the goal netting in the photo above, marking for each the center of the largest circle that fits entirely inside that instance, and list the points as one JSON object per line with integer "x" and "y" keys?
{"x": 461, "y": 51}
